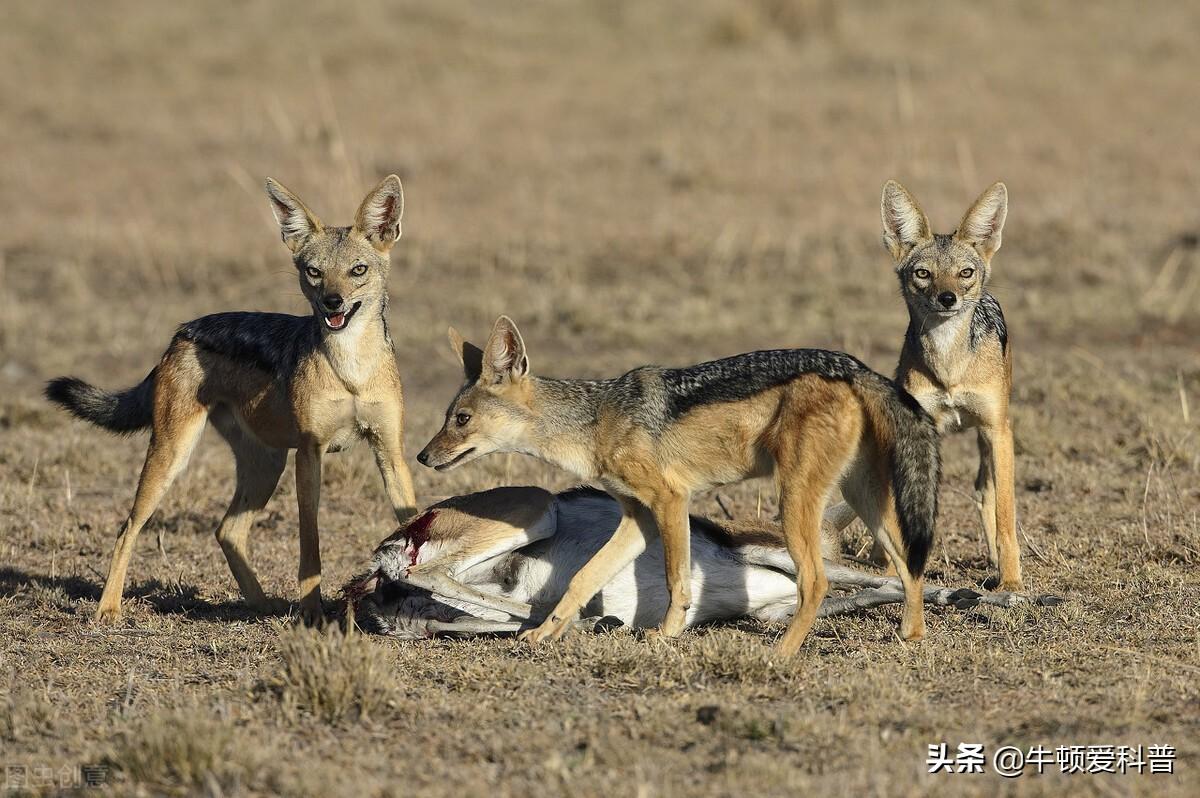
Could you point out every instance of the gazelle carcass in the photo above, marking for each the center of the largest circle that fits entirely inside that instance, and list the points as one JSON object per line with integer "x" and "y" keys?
{"x": 498, "y": 561}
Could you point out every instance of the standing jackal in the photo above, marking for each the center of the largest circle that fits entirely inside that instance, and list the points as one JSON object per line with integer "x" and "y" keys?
{"x": 956, "y": 360}
{"x": 656, "y": 435}
{"x": 268, "y": 383}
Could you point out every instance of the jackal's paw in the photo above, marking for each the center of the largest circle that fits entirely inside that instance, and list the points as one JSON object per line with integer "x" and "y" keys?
{"x": 108, "y": 613}
{"x": 657, "y": 635}
{"x": 551, "y": 629}
{"x": 312, "y": 613}
{"x": 1010, "y": 586}
{"x": 666, "y": 631}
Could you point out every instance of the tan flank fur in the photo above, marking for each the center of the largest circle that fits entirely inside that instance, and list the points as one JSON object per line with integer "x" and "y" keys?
{"x": 655, "y": 436}
{"x": 269, "y": 383}
{"x": 957, "y": 359}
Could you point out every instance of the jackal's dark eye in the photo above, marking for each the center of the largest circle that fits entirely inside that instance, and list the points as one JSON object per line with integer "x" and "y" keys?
{"x": 359, "y": 270}
{"x": 313, "y": 273}
{"x": 922, "y": 274}
{"x": 462, "y": 419}
{"x": 966, "y": 273}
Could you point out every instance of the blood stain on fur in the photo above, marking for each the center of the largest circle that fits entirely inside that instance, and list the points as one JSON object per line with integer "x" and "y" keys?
{"x": 417, "y": 533}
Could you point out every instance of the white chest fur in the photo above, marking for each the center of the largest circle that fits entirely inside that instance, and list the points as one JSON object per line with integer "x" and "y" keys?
{"x": 944, "y": 344}
{"x": 941, "y": 336}
{"x": 352, "y": 356}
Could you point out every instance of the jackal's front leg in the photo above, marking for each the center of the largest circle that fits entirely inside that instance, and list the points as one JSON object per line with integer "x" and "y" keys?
{"x": 628, "y": 541}
{"x": 997, "y": 501}
{"x": 387, "y": 443}
{"x": 670, "y": 513}
{"x": 308, "y": 495}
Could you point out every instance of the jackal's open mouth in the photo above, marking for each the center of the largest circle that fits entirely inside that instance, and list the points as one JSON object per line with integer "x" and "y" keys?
{"x": 339, "y": 320}
{"x": 455, "y": 461}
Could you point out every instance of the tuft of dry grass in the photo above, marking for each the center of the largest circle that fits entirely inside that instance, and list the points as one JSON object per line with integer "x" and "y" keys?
{"x": 26, "y": 711}
{"x": 183, "y": 751}
{"x": 333, "y": 675}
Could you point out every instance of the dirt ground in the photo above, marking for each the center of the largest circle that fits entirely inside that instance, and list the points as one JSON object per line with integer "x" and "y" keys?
{"x": 633, "y": 183}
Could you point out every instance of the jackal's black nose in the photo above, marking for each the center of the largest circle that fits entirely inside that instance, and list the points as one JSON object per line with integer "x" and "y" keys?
{"x": 332, "y": 301}
{"x": 947, "y": 299}
{"x": 423, "y": 458}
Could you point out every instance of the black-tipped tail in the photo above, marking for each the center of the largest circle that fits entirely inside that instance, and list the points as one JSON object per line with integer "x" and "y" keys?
{"x": 124, "y": 412}
{"x": 916, "y": 474}
{"x": 912, "y": 445}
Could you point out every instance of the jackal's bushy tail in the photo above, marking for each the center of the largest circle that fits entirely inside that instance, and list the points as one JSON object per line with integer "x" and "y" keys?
{"x": 123, "y": 412}
{"x": 916, "y": 463}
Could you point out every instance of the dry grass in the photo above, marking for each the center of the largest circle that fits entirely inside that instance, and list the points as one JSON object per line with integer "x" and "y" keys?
{"x": 333, "y": 676}
{"x": 183, "y": 751}
{"x": 632, "y": 182}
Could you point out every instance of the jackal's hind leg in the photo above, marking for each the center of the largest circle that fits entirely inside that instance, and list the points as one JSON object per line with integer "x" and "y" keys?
{"x": 177, "y": 427}
{"x": 876, "y": 506}
{"x": 258, "y": 471}
{"x": 801, "y": 508}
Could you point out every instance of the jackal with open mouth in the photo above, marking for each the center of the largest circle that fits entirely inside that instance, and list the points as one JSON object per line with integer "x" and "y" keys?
{"x": 270, "y": 382}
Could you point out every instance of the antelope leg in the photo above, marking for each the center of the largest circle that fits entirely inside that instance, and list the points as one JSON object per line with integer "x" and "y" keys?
{"x": 473, "y": 626}
{"x": 863, "y": 599}
{"x": 892, "y": 593}
{"x": 442, "y": 585}
{"x": 842, "y": 576}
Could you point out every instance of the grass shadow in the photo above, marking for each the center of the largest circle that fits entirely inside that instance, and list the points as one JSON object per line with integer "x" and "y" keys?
{"x": 164, "y": 599}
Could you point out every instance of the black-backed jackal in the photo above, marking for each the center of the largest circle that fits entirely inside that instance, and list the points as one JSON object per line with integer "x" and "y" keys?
{"x": 655, "y": 436}
{"x": 498, "y": 561}
{"x": 956, "y": 360}
{"x": 269, "y": 383}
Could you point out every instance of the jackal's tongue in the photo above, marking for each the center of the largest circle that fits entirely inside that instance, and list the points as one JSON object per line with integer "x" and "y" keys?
{"x": 336, "y": 320}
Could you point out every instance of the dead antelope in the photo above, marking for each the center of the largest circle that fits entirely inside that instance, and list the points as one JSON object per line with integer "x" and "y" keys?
{"x": 499, "y": 561}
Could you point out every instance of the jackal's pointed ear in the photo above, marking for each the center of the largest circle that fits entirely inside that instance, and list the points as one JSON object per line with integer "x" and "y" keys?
{"x": 983, "y": 223}
{"x": 296, "y": 222}
{"x": 379, "y": 215}
{"x": 468, "y": 354}
{"x": 904, "y": 223}
{"x": 504, "y": 355}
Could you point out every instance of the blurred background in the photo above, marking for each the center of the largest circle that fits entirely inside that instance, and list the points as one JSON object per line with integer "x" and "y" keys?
{"x": 708, "y": 168}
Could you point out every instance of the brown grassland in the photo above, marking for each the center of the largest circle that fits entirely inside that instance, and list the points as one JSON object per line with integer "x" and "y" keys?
{"x": 632, "y": 182}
